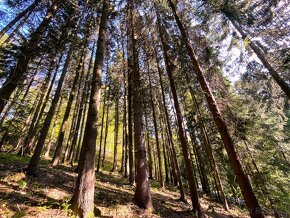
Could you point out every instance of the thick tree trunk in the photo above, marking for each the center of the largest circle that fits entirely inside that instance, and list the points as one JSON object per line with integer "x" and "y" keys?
{"x": 32, "y": 166}
{"x": 18, "y": 17}
{"x": 83, "y": 198}
{"x": 28, "y": 52}
{"x": 242, "y": 179}
{"x": 142, "y": 196}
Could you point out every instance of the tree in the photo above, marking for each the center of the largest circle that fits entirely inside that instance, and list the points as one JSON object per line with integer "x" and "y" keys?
{"x": 83, "y": 198}
{"x": 244, "y": 183}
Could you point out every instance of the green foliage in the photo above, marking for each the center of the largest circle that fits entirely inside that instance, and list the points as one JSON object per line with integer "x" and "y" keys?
{"x": 22, "y": 184}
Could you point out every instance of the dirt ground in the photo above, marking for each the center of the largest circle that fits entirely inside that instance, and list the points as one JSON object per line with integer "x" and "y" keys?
{"x": 48, "y": 194}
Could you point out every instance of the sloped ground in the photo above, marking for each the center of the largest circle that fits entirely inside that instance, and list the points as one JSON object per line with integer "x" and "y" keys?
{"x": 47, "y": 194}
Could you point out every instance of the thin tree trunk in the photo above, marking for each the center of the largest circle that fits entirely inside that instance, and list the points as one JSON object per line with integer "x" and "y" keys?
{"x": 242, "y": 179}
{"x": 9, "y": 39}
{"x": 83, "y": 198}
{"x": 50, "y": 141}
{"x": 85, "y": 96}
{"x": 102, "y": 126}
{"x": 174, "y": 156}
{"x": 60, "y": 138}
{"x": 106, "y": 133}
{"x": 26, "y": 147}
{"x": 181, "y": 131}
{"x": 156, "y": 133}
{"x": 281, "y": 82}
{"x": 18, "y": 17}
{"x": 116, "y": 133}
{"x": 150, "y": 162}
{"x": 28, "y": 52}
{"x": 130, "y": 125}
{"x": 32, "y": 166}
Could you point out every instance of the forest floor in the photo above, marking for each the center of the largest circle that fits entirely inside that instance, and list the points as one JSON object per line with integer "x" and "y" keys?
{"x": 47, "y": 194}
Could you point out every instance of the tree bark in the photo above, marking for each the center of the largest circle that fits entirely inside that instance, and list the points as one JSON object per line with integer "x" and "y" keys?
{"x": 142, "y": 196}
{"x": 83, "y": 198}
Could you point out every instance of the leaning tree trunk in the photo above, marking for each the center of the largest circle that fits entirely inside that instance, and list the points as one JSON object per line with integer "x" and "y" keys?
{"x": 181, "y": 131}
{"x": 18, "y": 17}
{"x": 32, "y": 166}
{"x": 60, "y": 138}
{"x": 26, "y": 54}
{"x": 242, "y": 179}
{"x": 176, "y": 170}
{"x": 283, "y": 85}
{"x": 83, "y": 198}
{"x": 26, "y": 146}
{"x": 9, "y": 39}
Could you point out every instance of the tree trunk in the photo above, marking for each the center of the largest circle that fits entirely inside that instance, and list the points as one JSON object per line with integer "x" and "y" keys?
{"x": 86, "y": 94}
{"x": 102, "y": 126}
{"x": 83, "y": 198}
{"x": 142, "y": 196}
{"x": 156, "y": 132}
{"x": 32, "y": 166}
{"x": 149, "y": 148}
{"x": 181, "y": 131}
{"x": 28, "y": 52}
{"x": 106, "y": 132}
{"x": 174, "y": 156}
{"x": 116, "y": 133}
{"x": 18, "y": 17}
{"x": 25, "y": 148}
{"x": 242, "y": 179}
{"x": 9, "y": 39}
{"x": 50, "y": 141}
{"x": 283, "y": 85}
{"x": 60, "y": 138}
